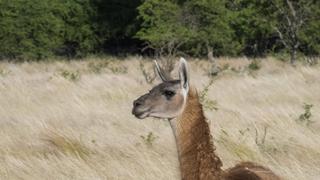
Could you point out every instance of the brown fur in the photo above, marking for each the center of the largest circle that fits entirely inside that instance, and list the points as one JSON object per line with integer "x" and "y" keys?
{"x": 249, "y": 171}
{"x": 198, "y": 160}
{"x": 194, "y": 141}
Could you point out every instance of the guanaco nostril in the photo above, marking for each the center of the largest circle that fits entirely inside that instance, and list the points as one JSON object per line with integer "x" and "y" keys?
{"x": 137, "y": 103}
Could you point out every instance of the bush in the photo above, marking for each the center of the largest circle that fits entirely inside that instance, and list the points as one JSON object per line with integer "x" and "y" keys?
{"x": 254, "y": 65}
{"x": 40, "y": 29}
{"x": 305, "y": 117}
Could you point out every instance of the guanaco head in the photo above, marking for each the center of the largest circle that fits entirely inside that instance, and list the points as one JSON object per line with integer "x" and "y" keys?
{"x": 166, "y": 100}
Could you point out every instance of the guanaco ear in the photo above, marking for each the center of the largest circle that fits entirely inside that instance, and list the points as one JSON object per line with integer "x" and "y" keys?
{"x": 183, "y": 74}
{"x": 160, "y": 72}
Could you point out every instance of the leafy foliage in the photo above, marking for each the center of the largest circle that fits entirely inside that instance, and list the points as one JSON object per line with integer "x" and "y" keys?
{"x": 36, "y": 30}
{"x": 290, "y": 21}
{"x": 72, "y": 76}
{"x": 161, "y": 26}
{"x": 116, "y": 23}
{"x": 39, "y": 29}
{"x": 306, "y": 115}
{"x": 254, "y": 65}
{"x": 192, "y": 26}
{"x": 149, "y": 139}
{"x": 207, "y": 22}
{"x": 205, "y": 101}
{"x": 252, "y": 30}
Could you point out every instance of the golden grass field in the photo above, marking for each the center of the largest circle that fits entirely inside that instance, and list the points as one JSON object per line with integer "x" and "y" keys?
{"x": 72, "y": 120}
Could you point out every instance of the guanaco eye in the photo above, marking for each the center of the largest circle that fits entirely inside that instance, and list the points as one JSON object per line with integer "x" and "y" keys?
{"x": 169, "y": 93}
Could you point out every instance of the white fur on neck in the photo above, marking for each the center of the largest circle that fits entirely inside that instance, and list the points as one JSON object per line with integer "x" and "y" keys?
{"x": 174, "y": 121}
{"x": 173, "y": 124}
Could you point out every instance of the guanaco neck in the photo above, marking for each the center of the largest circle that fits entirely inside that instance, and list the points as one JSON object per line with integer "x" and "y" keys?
{"x": 198, "y": 160}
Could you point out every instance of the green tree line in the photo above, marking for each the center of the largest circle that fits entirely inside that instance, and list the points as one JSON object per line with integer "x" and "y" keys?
{"x": 36, "y": 30}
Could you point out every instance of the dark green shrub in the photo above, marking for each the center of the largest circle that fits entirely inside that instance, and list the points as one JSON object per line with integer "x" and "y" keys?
{"x": 31, "y": 29}
{"x": 305, "y": 117}
{"x": 254, "y": 65}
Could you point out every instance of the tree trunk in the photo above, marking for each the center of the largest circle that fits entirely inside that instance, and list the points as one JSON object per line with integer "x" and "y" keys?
{"x": 214, "y": 67}
{"x": 210, "y": 54}
{"x": 293, "y": 55}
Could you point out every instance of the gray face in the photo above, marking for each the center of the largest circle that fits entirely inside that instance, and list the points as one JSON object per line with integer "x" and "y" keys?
{"x": 163, "y": 101}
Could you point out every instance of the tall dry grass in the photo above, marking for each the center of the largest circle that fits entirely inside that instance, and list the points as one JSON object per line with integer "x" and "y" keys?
{"x": 72, "y": 120}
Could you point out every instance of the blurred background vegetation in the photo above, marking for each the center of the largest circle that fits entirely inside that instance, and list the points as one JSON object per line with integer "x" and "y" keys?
{"x": 38, "y": 30}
